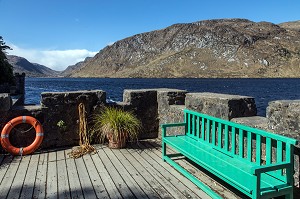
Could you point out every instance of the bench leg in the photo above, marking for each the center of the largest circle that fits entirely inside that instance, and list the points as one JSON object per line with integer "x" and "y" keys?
{"x": 164, "y": 150}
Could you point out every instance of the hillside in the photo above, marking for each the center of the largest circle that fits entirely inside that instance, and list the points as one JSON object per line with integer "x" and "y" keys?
{"x": 210, "y": 48}
{"x": 74, "y": 68}
{"x": 22, "y": 65}
{"x": 293, "y": 25}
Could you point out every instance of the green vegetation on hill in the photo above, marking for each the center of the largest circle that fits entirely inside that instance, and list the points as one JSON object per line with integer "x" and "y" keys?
{"x": 6, "y": 70}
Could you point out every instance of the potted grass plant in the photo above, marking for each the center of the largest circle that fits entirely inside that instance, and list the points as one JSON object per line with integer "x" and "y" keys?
{"x": 116, "y": 125}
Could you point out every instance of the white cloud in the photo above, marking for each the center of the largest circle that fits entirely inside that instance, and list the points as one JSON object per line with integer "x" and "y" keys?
{"x": 110, "y": 43}
{"x": 54, "y": 59}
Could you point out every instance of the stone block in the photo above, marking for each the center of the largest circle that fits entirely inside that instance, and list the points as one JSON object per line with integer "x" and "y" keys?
{"x": 63, "y": 106}
{"x": 173, "y": 115}
{"x": 284, "y": 117}
{"x": 170, "y": 108}
{"x": 168, "y": 97}
{"x": 143, "y": 103}
{"x": 254, "y": 121}
{"x": 221, "y": 105}
{"x": 5, "y": 101}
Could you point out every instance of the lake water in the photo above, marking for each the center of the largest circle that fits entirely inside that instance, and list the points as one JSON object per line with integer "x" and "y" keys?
{"x": 263, "y": 90}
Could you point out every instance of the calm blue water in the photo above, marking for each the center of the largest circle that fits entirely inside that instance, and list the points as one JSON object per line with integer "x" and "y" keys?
{"x": 264, "y": 90}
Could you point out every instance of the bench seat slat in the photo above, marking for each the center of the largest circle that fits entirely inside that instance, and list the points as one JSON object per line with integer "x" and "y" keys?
{"x": 224, "y": 166}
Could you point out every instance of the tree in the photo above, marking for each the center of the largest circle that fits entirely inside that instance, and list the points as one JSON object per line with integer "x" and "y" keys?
{"x": 6, "y": 70}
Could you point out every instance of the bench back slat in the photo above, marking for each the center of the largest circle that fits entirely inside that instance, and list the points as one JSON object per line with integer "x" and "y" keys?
{"x": 249, "y": 146}
{"x": 219, "y": 135}
{"x": 213, "y": 134}
{"x": 255, "y": 146}
{"x": 233, "y": 141}
{"x": 226, "y": 137}
{"x": 208, "y": 126}
{"x": 194, "y": 124}
{"x": 258, "y": 150}
{"x": 198, "y": 128}
{"x": 241, "y": 143}
{"x": 268, "y": 151}
{"x": 279, "y": 151}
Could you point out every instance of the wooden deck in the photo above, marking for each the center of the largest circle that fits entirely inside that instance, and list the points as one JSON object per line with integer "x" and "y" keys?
{"x": 135, "y": 172}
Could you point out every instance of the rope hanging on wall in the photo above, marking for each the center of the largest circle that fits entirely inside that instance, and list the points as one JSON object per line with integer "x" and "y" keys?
{"x": 84, "y": 143}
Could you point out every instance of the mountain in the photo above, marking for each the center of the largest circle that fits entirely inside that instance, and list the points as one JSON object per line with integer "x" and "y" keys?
{"x": 74, "y": 68}
{"x": 293, "y": 25}
{"x": 210, "y": 48}
{"x": 22, "y": 65}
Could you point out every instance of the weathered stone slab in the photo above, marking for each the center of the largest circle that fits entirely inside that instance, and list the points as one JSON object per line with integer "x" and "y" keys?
{"x": 167, "y": 97}
{"x": 170, "y": 108}
{"x": 63, "y": 107}
{"x": 5, "y": 101}
{"x": 221, "y": 105}
{"x": 284, "y": 117}
{"x": 143, "y": 103}
{"x": 254, "y": 121}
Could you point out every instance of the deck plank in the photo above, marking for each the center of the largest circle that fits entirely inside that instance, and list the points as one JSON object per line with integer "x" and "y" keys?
{"x": 51, "y": 188}
{"x": 114, "y": 174}
{"x": 147, "y": 174}
{"x": 4, "y": 166}
{"x": 9, "y": 176}
{"x": 131, "y": 183}
{"x": 28, "y": 186}
{"x": 95, "y": 178}
{"x": 74, "y": 181}
{"x": 62, "y": 176}
{"x": 138, "y": 155}
{"x": 18, "y": 181}
{"x": 190, "y": 188}
{"x": 41, "y": 177}
{"x": 110, "y": 186}
{"x": 85, "y": 181}
{"x": 138, "y": 176}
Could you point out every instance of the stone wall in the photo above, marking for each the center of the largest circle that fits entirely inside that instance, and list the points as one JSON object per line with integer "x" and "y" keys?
{"x": 59, "y": 110}
{"x": 61, "y": 115}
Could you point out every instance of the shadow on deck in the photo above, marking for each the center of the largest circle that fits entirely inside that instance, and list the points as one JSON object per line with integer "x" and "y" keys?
{"x": 135, "y": 172}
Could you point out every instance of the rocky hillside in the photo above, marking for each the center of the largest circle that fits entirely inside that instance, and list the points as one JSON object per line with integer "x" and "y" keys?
{"x": 293, "y": 25}
{"x": 211, "y": 48}
{"x": 74, "y": 68}
{"x": 22, "y": 65}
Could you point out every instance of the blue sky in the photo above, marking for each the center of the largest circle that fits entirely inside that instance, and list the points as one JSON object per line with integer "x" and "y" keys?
{"x": 57, "y": 33}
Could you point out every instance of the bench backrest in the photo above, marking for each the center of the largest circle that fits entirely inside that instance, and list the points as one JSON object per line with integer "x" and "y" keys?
{"x": 249, "y": 144}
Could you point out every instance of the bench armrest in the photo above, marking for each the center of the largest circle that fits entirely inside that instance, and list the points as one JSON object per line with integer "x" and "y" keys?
{"x": 173, "y": 124}
{"x": 265, "y": 168}
{"x": 165, "y": 126}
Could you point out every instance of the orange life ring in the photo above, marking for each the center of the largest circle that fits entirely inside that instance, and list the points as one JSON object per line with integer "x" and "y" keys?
{"x": 11, "y": 124}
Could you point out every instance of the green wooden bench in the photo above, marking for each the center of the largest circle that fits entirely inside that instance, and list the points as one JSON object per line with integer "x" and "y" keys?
{"x": 258, "y": 163}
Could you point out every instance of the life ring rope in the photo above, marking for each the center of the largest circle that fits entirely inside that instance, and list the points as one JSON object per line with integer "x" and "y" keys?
{"x": 14, "y": 122}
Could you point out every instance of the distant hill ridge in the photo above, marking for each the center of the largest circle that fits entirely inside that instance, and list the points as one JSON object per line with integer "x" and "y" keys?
{"x": 22, "y": 65}
{"x": 210, "y": 48}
